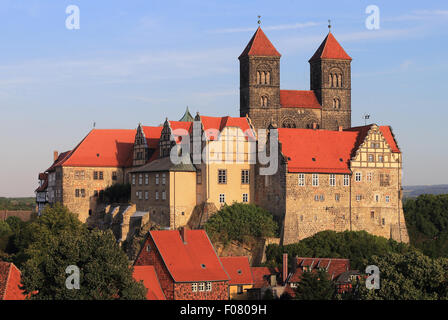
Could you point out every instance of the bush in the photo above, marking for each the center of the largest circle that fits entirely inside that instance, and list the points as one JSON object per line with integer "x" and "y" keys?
{"x": 241, "y": 222}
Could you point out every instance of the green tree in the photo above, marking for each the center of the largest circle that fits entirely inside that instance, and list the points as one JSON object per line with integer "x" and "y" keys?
{"x": 315, "y": 286}
{"x": 104, "y": 270}
{"x": 5, "y": 233}
{"x": 241, "y": 222}
{"x": 409, "y": 276}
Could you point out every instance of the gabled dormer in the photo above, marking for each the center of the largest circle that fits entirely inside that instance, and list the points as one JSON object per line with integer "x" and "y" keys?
{"x": 141, "y": 150}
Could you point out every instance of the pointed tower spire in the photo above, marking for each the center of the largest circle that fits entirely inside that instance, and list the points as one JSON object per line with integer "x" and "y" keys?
{"x": 260, "y": 45}
{"x": 330, "y": 49}
{"x": 187, "y": 117}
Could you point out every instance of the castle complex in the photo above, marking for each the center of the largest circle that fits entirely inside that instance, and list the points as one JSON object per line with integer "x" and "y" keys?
{"x": 330, "y": 175}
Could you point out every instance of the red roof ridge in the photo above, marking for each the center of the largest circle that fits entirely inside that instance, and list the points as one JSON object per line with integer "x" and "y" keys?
{"x": 259, "y": 45}
{"x": 330, "y": 49}
{"x": 299, "y": 99}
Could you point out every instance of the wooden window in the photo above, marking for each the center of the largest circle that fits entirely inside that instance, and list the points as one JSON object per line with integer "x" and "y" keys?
{"x": 222, "y": 176}
{"x": 245, "y": 176}
{"x": 301, "y": 179}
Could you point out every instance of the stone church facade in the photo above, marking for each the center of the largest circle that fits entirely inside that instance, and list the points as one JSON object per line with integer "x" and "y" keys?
{"x": 327, "y": 105}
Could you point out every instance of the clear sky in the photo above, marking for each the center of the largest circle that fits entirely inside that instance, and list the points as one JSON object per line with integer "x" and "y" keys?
{"x": 141, "y": 61}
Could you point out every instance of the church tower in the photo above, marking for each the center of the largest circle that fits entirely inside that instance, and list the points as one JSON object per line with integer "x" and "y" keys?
{"x": 330, "y": 78}
{"x": 260, "y": 81}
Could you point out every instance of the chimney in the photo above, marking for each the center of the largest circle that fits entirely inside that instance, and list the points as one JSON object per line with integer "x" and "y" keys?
{"x": 55, "y": 155}
{"x": 285, "y": 267}
{"x": 340, "y": 128}
{"x": 183, "y": 234}
{"x": 314, "y": 125}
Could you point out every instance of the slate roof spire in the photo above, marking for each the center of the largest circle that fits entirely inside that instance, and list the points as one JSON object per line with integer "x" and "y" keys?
{"x": 187, "y": 117}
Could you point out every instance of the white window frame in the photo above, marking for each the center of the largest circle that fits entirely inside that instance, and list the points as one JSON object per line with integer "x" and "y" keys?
{"x": 209, "y": 286}
{"x": 358, "y": 176}
{"x": 157, "y": 195}
{"x": 346, "y": 180}
{"x": 358, "y": 197}
{"x": 222, "y": 198}
{"x": 146, "y": 178}
{"x": 163, "y": 178}
{"x": 201, "y": 286}
{"x": 332, "y": 180}
{"x": 194, "y": 287}
{"x": 133, "y": 179}
{"x": 301, "y": 179}
{"x": 157, "y": 178}
{"x": 245, "y": 197}
{"x": 163, "y": 195}
{"x": 140, "y": 179}
{"x": 387, "y": 198}
{"x": 146, "y": 195}
{"x": 315, "y": 179}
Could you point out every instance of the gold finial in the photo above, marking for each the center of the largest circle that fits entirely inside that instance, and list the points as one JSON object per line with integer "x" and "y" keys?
{"x": 259, "y": 20}
{"x": 329, "y": 25}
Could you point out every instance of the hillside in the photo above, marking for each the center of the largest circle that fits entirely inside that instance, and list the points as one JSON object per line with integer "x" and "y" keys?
{"x": 14, "y": 204}
{"x": 415, "y": 191}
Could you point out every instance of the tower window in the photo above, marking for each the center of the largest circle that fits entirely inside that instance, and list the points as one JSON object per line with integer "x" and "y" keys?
{"x": 336, "y": 103}
{"x": 264, "y": 101}
{"x": 263, "y": 77}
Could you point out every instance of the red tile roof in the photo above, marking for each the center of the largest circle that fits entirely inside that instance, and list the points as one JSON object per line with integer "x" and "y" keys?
{"x": 335, "y": 267}
{"x": 61, "y": 158}
{"x": 299, "y": 99}
{"x": 320, "y": 151}
{"x": 9, "y": 282}
{"x": 152, "y": 135}
{"x": 148, "y": 275}
{"x": 103, "y": 148}
{"x": 261, "y": 276}
{"x": 330, "y": 49}
{"x": 385, "y": 130}
{"x": 260, "y": 45}
{"x": 195, "y": 260}
{"x": 238, "y": 269}
{"x": 214, "y": 125}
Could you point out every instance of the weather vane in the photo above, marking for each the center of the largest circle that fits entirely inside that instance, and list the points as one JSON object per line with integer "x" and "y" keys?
{"x": 259, "y": 20}
{"x": 366, "y": 117}
{"x": 329, "y": 25}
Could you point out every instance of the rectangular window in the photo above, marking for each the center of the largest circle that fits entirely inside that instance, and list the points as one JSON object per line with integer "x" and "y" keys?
{"x": 301, "y": 179}
{"x": 209, "y": 286}
{"x": 79, "y": 174}
{"x": 157, "y": 195}
{"x": 369, "y": 176}
{"x": 387, "y": 198}
{"x": 133, "y": 179}
{"x": 372, "y": 214}
{"x": 95, "y": 175}
{"x": 199, "y": 176}
{"x": 315, "y": 179}
{"x": 358, "y": 197}
{"x": 337, "y": 197}
{"x": 377, "y": 198}
{"x": 146, "y": 178}
{"x": 222, "y": 176}
{"x": 332, "y": 180}
{"x": 244, "y": 176}
{"x": 157, "y": 178}
{"x": 222, "y": 198}
{"x": 146, "y": 195}
{"x": 358, "y": 176}
{"x": 201, "y": 286}
{"x": 384, "y": 180}
{"x": 163, "y": 195}
{"x": 163, "y": 178}
{"x": 114, "y": 176}
{"x": 383, "y": 221}
{"x": 194, "y": 287}
{"x": 322, "y": 197}
{"x": 371, "y": 158}
{"x": 77, "y": 193}
{"x": 316, "y": 197}
{"x": 380, "y": 158}
{"x": 245, "y": 197}
{"x": 140, "y": 195}
{"x": 83, "y": 193}
{"x": 140, "y": 179}
{"x": 346, "y": 180}
{"x": 101, "y": 177}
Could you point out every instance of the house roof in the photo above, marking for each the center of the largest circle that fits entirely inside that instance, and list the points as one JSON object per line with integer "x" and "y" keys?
{"x": 335, "y": 267}
{"x": 385, "y": 130}
{"x": 261, "y": 276}
{"x": 9, "y": 282}
{"x": 61, "y": 158}
{"x": 214, "y": 125}
{"x": 148, "y": 275}
{"x": 320, "y": 151}
{"x": 190, "y": 261}
{"x": 259, "y": 45}
{"x": 299, "y": 99}
{"x": 330, "y": 49}
{"x": 103, "y": 148}
{"x": 165, "y": 164}
{"x": 238, "y": 269}
{"x": 152, "y": 135}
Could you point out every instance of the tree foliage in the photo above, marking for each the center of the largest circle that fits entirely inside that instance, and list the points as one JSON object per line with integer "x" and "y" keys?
{"x": 358, "y": 246}
{"x": 17, "y": 203}
{"x": 116, "y": 193}
{"x": 315, "y": 286}
{"x": 427, "y": 222}
{"x": 241, "y": 222}
{"x": 409, "y": 276}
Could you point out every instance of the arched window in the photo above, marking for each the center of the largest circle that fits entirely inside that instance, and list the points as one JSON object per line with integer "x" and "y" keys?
{"x": 340, "y": 80}
{"x": 288, "y": 123}
{"x": 268, "y": 77}
{"x": 263, "y": 77}
{"x": 264, "y": 101}
{"x": 258, "y": 77}
{"x": 336, "y": 103}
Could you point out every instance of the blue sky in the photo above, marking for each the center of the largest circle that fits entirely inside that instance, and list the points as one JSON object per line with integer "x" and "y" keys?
{"x": 141, "y": 61}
